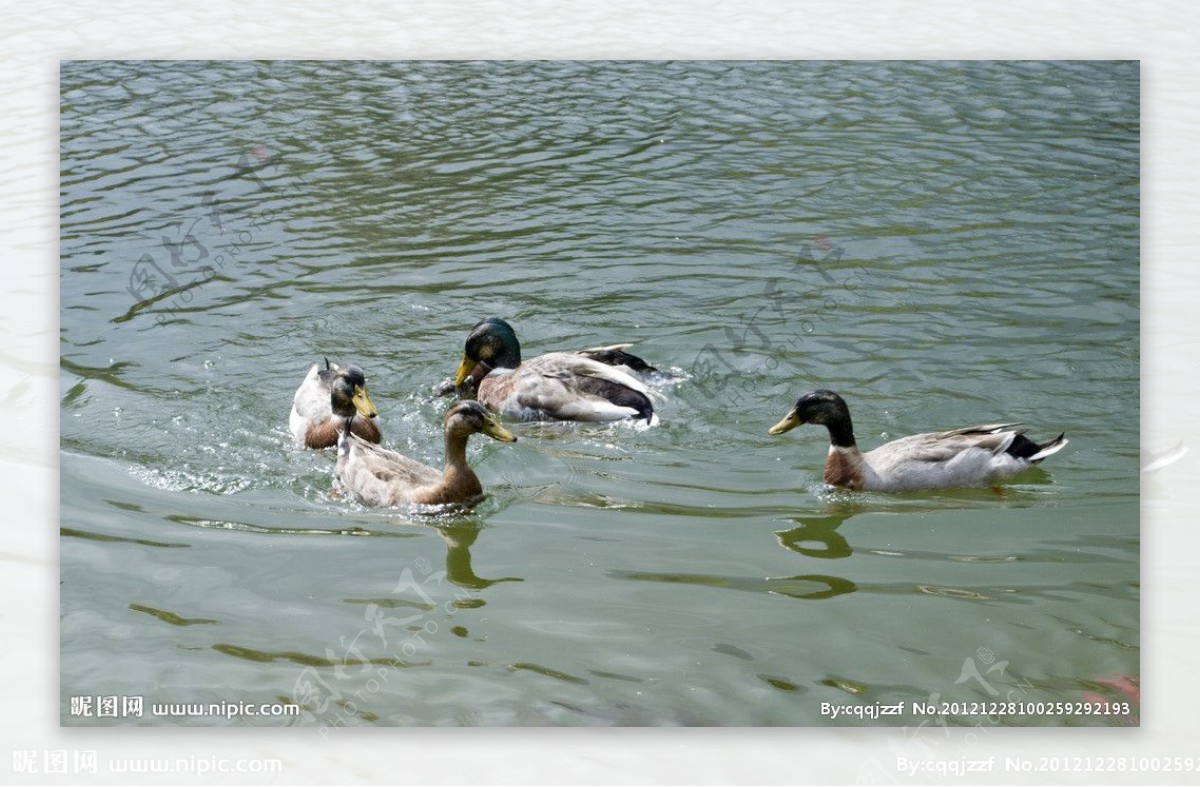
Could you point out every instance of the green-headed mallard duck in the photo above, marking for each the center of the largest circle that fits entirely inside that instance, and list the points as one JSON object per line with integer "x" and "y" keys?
{"x": 312, "y": 423}
{"x": 972, "y": 456}
{"x": 379, "y": 477}
{"x": 588, "y": 385}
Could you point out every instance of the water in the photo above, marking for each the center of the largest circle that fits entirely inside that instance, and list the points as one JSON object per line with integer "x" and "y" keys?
{"x": 943, "y": 243}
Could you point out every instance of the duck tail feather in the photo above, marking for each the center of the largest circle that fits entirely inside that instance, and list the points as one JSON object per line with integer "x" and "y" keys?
{"x": 1050, "y": 447}
{"x": 615, "y": 355}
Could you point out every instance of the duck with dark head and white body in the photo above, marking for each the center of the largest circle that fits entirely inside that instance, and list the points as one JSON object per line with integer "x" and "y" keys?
{"x": 598, "y": 384}
{"x": 969, "y": 457}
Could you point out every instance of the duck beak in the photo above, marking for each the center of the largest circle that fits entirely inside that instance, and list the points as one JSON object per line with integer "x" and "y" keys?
{"x": 789, "y": 422}
{"x": 464, "y": 370}
{"x": 362, "y": 402}
{"x": 493, "y": 429}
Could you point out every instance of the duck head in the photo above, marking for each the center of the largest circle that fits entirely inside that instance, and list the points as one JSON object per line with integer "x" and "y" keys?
{"x": 348, "y": 394}
{"x": 492, "y": 344}
{"x": 467, "y": 418}
{"x": 821, "y": 407}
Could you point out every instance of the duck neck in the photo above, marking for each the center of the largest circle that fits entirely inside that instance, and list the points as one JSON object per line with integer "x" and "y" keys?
{"x": 841, "y": 432}
{"x": 481, "y": 370}
{"x": 509, "y": 356}
{"x": 509, "y": 359}
{"x": 457, "y": 468}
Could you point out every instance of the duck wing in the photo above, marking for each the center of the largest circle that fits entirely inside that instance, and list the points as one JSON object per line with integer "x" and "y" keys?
{"x": 379, "y": 476}
{"x": 573, "y": 387}
{"x": 933, "y": 447}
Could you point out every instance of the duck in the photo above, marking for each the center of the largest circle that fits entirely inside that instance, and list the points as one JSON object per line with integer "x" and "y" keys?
{"x": 312, "y": 423}
{"x": 376, "y": 476}
{"x": 972, "y": 456}
{"x": 597, "y": 384}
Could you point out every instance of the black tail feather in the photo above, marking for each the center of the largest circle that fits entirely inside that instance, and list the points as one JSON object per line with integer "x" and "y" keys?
{"x": 614, "y": 357}
{"x": 1024, "y": 448}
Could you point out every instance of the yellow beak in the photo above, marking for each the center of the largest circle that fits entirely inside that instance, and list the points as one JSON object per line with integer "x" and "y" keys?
{"x": 464, "y": 370}
{"x": 493, "y": 429}
{"x": 790, "y": 422}
{"x": 362, "y": 402}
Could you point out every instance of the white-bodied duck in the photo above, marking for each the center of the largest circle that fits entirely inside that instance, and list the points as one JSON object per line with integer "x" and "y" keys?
{"x": 312, "y": 423}
{"x": 968, "y": 457}
{"x": 586, "y": 385}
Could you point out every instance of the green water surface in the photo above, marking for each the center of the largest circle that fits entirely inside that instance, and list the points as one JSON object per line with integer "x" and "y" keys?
{"x": 943, "y": 243}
